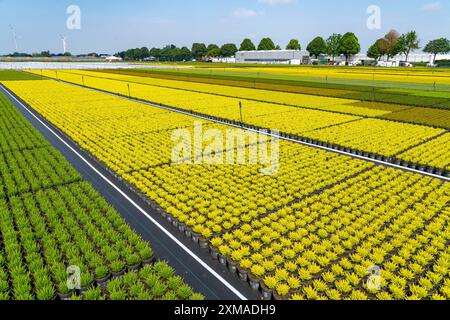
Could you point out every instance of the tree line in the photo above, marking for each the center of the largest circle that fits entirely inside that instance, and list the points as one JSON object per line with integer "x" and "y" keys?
{"x": 334, "y": 46}
{"x": 394, "y": 43}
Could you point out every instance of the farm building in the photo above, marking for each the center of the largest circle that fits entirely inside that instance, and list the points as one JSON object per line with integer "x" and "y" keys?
{"x": 272, "y": 57}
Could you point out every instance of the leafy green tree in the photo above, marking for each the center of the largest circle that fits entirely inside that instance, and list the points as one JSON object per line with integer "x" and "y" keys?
{"x": 212, "y": 46}
{"x": 333, "y": 43}
{"x": 213, "y": 50}
{"x": 185, "y": 54}
{"x": 247, "y": 45}
{"x": 374, "y": 52}
{"x": 317, "y": 47}
{"x": 228, "y": 50}
{"x": 155, "y": 53}
{"x": 349, "y": 45}
{"x": 438, "y": 46}
{"x": 293, "y": 45}
{"x": 266, "y": 44}
{"x": 168, "y": 53}
{"x": 199, "y": 50}
{"x": 409, "y": 42}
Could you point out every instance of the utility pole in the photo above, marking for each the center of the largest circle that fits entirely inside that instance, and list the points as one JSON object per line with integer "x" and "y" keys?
{"x": 82, "y": 79}
{"x": 129, "y": 91}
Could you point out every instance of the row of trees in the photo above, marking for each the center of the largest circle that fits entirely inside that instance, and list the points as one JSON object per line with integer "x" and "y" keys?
{"x": 336, "y": 45}
{"x": 347, "y": 44}
{"x": 393, "y": 44}
{"x": 43, "y": 54}
{"x": 173, "y": 53}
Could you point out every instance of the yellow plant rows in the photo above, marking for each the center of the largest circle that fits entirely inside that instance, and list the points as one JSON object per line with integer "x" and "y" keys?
{"x": 326, "y": 246}
{"x": 376, "y": 136}
{"x": 253, "y": 112}
{"x": 125, "y": 135}
{"x": 300, "y": 100}
{"x": 211, "y": 199}
{"x": 382, "y": 137}
{"x": 137, "y": 150}
{"x": 300, "y": 122}
{"x": 435, "y": 153}
{"x": 427, "y": 116}
{"x": 209, "y": 104}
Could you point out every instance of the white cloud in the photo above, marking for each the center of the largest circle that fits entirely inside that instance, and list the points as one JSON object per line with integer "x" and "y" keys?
{"x": 276, "y": 2}
{"x": 244, "y": 13}
{"x": 432, "y": 7}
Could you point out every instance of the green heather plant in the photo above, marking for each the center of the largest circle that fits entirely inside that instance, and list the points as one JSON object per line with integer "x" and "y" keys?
{"x": 146, "y": 253}
{"x": 184, "y": 292}
{"x": 136, "y": 289}
{"x": 119, "y": 295}
{"x": 159, "y": 289}
{"x": 117, "y": 266}
{"x": 151, "y": 280}
{"x": 93, "y": 293}
{"x": 197, "y": 297}
{"x": 101, "y": 272}
{"x": 169, "y": 296}
{"x": 130, "y": 279}
{"x": 45, "y": 293}
{"x": 174, "y": 282}
{"x": 164, "y": 270}
{"x": 133, "y": 259}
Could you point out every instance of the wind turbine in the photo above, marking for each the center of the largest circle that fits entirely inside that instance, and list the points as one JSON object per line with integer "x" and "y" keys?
{"x": 64, "y": 41}
{"x": 13, "y": 31}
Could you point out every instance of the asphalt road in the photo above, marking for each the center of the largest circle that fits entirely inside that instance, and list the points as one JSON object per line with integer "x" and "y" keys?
{"x": 199, "y": 270}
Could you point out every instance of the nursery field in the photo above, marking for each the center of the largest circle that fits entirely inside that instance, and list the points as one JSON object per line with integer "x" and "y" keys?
{"x": 315, "y": 228}
{"x": 312, "y": 98}
{"x": 432, "y": 92}
{"x": 50, "y": 219}
{"x": 363, "y": 134}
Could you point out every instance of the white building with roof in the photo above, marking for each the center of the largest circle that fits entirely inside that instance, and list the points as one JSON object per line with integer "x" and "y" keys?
{"x": 272, "y": 57}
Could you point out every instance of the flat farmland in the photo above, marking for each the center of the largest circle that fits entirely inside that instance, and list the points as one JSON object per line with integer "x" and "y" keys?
{"x": 317, "y": 226}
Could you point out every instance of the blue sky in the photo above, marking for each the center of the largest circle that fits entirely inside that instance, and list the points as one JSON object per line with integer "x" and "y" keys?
{"x": 113, "y": 25}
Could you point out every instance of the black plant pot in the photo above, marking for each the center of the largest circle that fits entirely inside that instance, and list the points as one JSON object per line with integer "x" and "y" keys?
{"x": 149, "y": 262}
{"x": 204, "y": 243}
{"x": 134, "y": 267}
{"x": 232, "y": 266}
{"x": 243, "y": 274}
{"x": 254, "y": 282}
{"x": 266, "y": 292}
{"x": 102, "y": 281}
{"x": 195, "y": 237}
{"x": 223, "y": 260}
{"x": 118, "y": 274}
{"x": 65, "y": 296}
{"x": 214, "y": 253}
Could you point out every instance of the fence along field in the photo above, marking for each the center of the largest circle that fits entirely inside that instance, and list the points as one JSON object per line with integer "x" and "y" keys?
{"x": 314, "y": 230}
{"x": 51, "y": 220}
{"x": 382, "y": 139}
